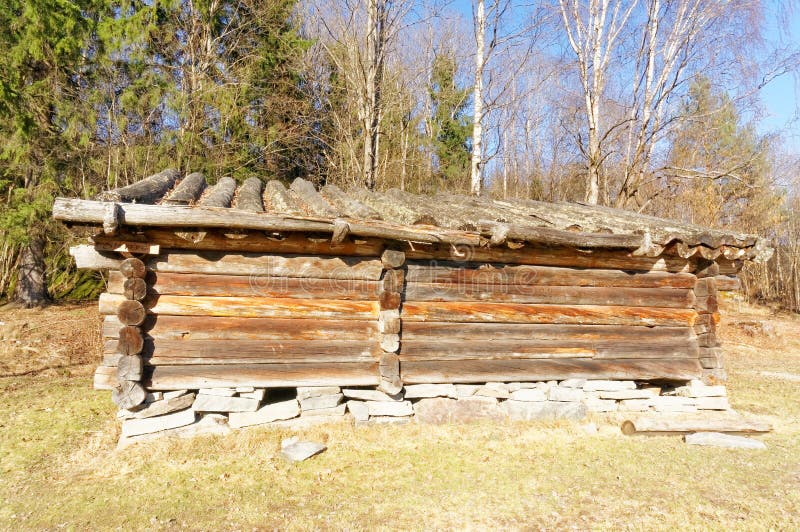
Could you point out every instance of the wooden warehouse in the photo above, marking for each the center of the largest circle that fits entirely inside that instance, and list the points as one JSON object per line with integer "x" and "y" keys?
{"x": 260, "y": 285}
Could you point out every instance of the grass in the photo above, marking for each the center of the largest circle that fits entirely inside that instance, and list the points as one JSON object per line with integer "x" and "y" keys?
{"x": 59, "y": 467}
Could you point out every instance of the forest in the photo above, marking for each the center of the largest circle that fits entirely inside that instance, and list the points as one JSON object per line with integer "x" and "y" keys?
{"x": 648, "y": 105}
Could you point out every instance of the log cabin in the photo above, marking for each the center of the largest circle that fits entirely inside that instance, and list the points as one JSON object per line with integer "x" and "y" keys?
{"x": 258, "y": 285}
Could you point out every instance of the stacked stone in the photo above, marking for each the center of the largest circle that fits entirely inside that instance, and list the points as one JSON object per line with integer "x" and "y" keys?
{"x": 389, "y": 320}
{"x": 129, "y": 392}
{"x": 706, "y": 305}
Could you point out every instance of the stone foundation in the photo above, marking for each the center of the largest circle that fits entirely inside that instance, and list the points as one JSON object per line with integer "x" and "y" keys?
{"x": 217, "y": 410}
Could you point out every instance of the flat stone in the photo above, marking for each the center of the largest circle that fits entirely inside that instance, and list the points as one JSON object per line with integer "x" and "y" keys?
{"x": 619, "y": 395}
{"x": 667, "y": 403}
{"x": 608, "y": 386}
{"x": 165, "y": 406}
{"x": 370, "y": 395}
{"x": 244, "y": 389}
{"x": 306, "y": 392}
{"x": 265, "y": 414}
{"x": 718, "y": 439}
{"x": 152, "y": 397}
{"x": 712, "y": 403}
{"x": 384, "y": 420}
{"x": 526, "y": 411}
{"x": 222, "y": 392}
{"x": 207, "y": 425}
{"x": 438, "y": 410}
{"x": 557, "y": 393}
{"x": 257, "y": 394}
{"x": 306, "y": 422}
{"x": 220, "y": 403}
{"x": 321, "y": 402}
{"x": 590, "y": 429}
{"x": 337, "y": 410}
{"x": 134, "y": 427}
{"x": 572, "y": 383}
{"x": 394, "y": 408}
{"x": 175, "y": 393}
{"x": 528, "y": 394}
{"x": 498, "y": 390}
{"x": 359, "y": 410}
{"x": 514, "y": 386}
{"x": 466, "y": 390}
{"x": 416, "y": 391}
{"x": 601, "y": 405}
{"x": 302, "y": 450}
{"x": 696, "y": 388}
{"x": 635, "y": 405}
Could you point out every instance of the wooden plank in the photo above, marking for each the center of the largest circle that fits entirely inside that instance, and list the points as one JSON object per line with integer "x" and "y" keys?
{"x": 559, "y": 295}
{"x": 522, "y": 313}
{"x": 263, "y": 376}
{"x": 256, "y": 242}
{"x": 269, "y": 265}
{"x": 465, "y": 371}
{"x": 542, "y": 256}
{"x": 122, "y": 246}
{"x": 712, "y": 422}
{"x": 256, "y": 351}
{"x": 525, "y": 349}
{"x": 483, "y": 274}
{"x": 87, "y": 257}
{"x": 225, "y": 328}
{"x": 249, "y": 307}
{"x": 105, "y": 378}
{"x": 468, "y": 332}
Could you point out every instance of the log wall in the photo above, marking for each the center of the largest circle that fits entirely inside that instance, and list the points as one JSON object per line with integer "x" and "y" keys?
{"x": 357, "y": 314}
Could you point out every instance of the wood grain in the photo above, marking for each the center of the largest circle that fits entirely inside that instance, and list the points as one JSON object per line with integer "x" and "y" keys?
{"x": 467, "y": 332}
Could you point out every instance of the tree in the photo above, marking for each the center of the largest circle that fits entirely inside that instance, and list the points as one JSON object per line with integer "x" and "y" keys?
{"x": 450, "y": 123}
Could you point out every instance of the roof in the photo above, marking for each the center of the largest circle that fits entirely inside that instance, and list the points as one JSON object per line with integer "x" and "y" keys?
{"x": 168, "y": 199}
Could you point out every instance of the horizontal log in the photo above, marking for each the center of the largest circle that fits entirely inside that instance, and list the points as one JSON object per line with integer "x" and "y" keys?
{"x": 248, "y": 307}
{"x": 224, "y": 328}
{"x": 254, "y": 242}
{"x": 715, "y": 422}
{"x": 92, "y": 212}
{"x": 530, "y": 349}
{"x": 87, "y": 257}
{"x": 105, "y": 378}
{"x": 727, "y": 284}
{"x": 256, "y": 351}
{"x": 559, "y": 237}
{"x": 559, "y": 295}
{"x": 349, "y": 268}
{"x": 188, "y": 190}
{"x": 521, "y": 313}
{"x": 477, "y": 371}
{"x": 468, "y": 332}
{"x": 263, "y": 376}
{"x": 543, "y": 256}
{"x": 481, "y": 274}
{"x": 145, "y": 191}
{"x": 128, "y": 246}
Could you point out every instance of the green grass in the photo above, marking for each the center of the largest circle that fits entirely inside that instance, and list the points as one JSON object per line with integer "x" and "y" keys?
{"x": 59, "y": 469}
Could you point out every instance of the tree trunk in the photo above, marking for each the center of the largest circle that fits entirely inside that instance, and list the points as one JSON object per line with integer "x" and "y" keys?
{"x": 476, "y": 167}
{"x": 31, "y": 290}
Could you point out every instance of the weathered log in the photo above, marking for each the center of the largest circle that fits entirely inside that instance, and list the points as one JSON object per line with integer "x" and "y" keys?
{"x": 389, "y": 322}
{"x": 560, "y": 295}
{"x": 130, "y": 341}
{"x": 390, "y": 343}
{"x": 263, "y": 376}
{"x": 478, "y": 274}
{"x": 223, "y": 328}
{"x": 347, "y": 204}
{"x": 131, "y": 312}
{"x": 250, "y": 195}
{"x": 341, "y": 229}
{"x": 469, "y": 332}
{"x": 712, "y": 422}
{"x": 188, "y": 190}
{"x": 520, "y": 313}
{"x": 221, "y": 194}
{"x": 134, "y": 288}
{"x": 270, "y": 265}
{"x": 706, "y": 304}
{"x": 393, "y": 259}
{"x": 105, "y": 378}
{"x": 254, "y": 242}
{"x": 243, "y": 307}
{"x": 389, "y": 300}
{"x": 313, "y": 199}
{"x": 128, "y": 394}
{"x": 118, "y": 245}
{"x": 147, "y": 190}
{"x": 466, "y": 371}
{"x": 560, "y": 237}
{"x": 390, "y": 379}
{"x": 726, "y": 283}
{"x": 111, "y": 219}
{"x": 133, "y": 268}
{"x": 394, "y": 281}
{"x": 508, "y": 349}
{"x": 129, "y": 368}
{"x": 705, "y": 287}
{"x": 91, "y": 212}
{"x": 87, "y": 257}
{"x": 278, "y": 200}
{"x": 707, "y": 268}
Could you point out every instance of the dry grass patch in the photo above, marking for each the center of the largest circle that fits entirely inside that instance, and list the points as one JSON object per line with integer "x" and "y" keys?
{"x": 60, "y": 469}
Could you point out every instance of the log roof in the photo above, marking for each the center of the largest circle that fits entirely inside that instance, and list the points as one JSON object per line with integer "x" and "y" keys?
{"x": 168, "y": 199}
